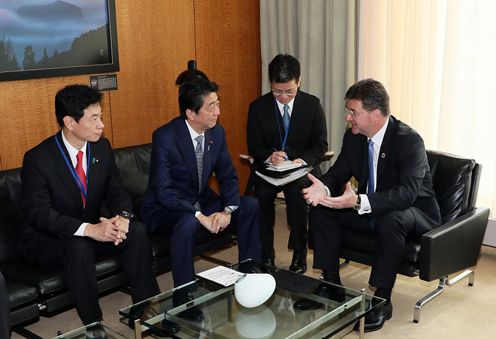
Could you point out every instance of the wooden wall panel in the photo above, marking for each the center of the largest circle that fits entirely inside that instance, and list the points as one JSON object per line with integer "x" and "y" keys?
{"x": 28, "y": 115}
{"x": 228, "y": 50}
{"x": 156, "y": 39}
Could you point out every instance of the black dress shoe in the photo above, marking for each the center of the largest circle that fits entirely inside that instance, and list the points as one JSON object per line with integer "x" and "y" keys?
{"x": 193, "y": 313}
{"x": 96, "y": 332}
{"x": 328, "y": 291}
{"x": 165, "y": 328}
{"x": 376, "y": 319}
{"x": 299, "y": 262}
{"x": 269, "y": 261}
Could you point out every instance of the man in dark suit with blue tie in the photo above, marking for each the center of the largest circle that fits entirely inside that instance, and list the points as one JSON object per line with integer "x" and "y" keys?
{"x": 67, "y": 181}
{"x": 286, "y": 124}
{"x": 395, "y": 198}
{"x": 186, "y": 152}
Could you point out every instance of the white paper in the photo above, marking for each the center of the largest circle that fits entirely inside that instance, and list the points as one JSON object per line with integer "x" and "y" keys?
{"x": 289, "y": 178}
{"x": 284, "y": 166}
{"x": 221, "y": 275}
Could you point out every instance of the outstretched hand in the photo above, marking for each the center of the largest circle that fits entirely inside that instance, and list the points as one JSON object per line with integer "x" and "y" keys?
{"x": 346, "y": 200}
{"x": 315, "y": 192}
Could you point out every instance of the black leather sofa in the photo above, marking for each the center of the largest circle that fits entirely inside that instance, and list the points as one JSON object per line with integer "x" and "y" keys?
{"x": 134, "y": 165}
{"x": 35, "y": 290}
{"x": 448, "y": 249}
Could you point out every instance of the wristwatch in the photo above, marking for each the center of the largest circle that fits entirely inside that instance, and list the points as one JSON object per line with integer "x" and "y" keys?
{"x": 228, "y": 210}
{"x": 127, "y": 215}
{"x": 357, "y": 204}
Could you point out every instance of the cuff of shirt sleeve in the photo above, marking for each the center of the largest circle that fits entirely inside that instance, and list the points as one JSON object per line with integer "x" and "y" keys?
{"x": 81, "y": 229}
{"x": 365, "y": 207}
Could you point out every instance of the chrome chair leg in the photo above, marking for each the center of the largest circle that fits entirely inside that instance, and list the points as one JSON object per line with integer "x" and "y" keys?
{"x": 469, "y": 273}
{"x": 428, "y": 298}
{"x": 443, "y": 282}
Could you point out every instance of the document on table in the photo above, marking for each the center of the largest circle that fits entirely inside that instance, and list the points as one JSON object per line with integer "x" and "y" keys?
{"x": 221, "y": 275}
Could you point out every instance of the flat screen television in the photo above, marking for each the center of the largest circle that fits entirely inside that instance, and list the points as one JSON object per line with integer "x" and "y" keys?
{"x": 48, "y": 38}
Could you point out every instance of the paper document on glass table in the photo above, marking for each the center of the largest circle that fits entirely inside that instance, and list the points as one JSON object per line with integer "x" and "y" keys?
{"x": 221, "y": 275}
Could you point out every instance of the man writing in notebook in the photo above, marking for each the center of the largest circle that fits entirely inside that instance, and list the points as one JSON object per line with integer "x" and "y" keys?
{"x": 285, "y": 124}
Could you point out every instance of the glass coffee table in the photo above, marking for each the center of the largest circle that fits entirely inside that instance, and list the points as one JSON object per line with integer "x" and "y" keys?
{"x": 224, "y": 317}
{"x": 83, "y": 332}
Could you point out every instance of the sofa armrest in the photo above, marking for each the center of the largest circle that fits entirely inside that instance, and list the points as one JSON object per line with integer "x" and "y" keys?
{"x": 453, "y": 246}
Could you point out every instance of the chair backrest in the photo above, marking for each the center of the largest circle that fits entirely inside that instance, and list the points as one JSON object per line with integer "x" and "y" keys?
{"x": 456, "y": 181}
{"x": 10, "y": 213}
{"x": 133, "y": 163}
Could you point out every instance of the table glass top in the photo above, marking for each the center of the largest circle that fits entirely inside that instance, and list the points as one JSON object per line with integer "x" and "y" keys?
{"x": 224, "y": 317}
{"x": 87, "y": 332}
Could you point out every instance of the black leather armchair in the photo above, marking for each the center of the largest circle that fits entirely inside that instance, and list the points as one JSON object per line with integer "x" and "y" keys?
{"x": 448, "y": 249}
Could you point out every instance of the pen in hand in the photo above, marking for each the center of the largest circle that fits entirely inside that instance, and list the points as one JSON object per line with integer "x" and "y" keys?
{"x": 285, "y": 156}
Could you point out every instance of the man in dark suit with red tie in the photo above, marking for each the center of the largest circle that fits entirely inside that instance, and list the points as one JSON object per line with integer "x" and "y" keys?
{"x": 286, "y": 124}
{"x": 395, "y": 198}
{"x": 67, "y": 180}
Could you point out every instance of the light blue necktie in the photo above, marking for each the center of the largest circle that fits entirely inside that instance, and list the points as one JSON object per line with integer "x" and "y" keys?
{"x": 371, "y": 184}
{"x": 285, "y": 117}
{"x": 199, "y": 159}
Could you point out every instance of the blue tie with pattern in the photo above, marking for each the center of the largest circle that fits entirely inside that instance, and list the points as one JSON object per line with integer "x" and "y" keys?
{"x": 199, "y": 159}
{"x": 285, "y": 117}
{"x": 371, "y": 184}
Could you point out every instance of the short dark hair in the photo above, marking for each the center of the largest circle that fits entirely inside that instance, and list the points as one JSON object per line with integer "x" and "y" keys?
{"x": 371, "y": 93}
{"x": 72, "y": 100}
{"x": 192, "y": 94}
{"x": 284, "y": 68}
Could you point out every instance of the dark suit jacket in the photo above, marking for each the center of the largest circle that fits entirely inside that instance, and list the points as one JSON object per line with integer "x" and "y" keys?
{"x": 307, "y": 138}
{"x": 51, "y": 200}
{"x": 173, "y": 182}
{"x": 403, "y": 173}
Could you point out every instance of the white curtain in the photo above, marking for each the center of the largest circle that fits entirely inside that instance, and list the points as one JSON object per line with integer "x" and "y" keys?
{"x": 437, "y": 58}
{"x": 321, "y": 34}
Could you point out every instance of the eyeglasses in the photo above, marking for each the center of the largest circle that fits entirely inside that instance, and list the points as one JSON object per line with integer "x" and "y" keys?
{"x": 288, "y": 93}
{"x": 352, "y": 113}
{"x": 347, "y": 111}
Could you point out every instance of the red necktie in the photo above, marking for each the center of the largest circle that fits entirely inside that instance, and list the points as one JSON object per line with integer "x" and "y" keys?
{"x": 80, "y": 173}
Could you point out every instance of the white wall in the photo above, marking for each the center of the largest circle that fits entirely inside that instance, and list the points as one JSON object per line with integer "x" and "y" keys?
{"x": 490, "y": 237}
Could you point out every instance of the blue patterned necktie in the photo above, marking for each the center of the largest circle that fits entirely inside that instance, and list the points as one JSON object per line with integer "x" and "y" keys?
{"x": 371, "y": 183}
{"x": 285, "y": 117}
{"x": 199, "y": 159}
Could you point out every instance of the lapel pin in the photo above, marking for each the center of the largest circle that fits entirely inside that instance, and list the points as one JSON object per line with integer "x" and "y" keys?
{"x": 383, "y": 155}
{"x": 210, "y": 142}
{"x": 94, "y": 161}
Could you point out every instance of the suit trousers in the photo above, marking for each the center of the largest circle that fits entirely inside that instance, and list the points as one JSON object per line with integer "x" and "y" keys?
{"x": 4, "y": 309}
{"x": 77, "y": 256}
{"x": 296, "y": 214}
{"x": 183, "y": 227}
{"x": 390, "y": 229}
